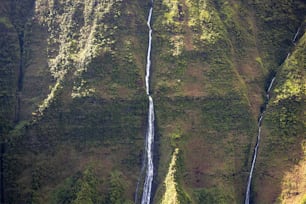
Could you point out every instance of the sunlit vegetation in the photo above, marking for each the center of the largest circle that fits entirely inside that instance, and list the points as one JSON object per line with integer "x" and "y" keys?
{"x": 204, "y": 21}
{"x": 82, "y": 90}
{"x": 290, "y": 92}
{"x": 170, "y": 196}
{"x": 292, "y": 82}
{"x": 293, "y": 188}
{"x": 285, "y": 125}
{"x": 77, "y": 35}
{"x": 5, "y": 21}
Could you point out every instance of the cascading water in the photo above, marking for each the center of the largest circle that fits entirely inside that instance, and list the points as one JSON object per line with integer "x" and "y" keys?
{"x": 247, "y": 195}
{"x": 296, "y": 34}
{"x": 148, "y": 66}
{"x": 247, "y": 198}
{"x": 148, "y": 161}
{"x": 147, "y": 187}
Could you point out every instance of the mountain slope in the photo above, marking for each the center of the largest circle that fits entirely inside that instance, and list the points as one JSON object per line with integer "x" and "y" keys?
{"x": 74, "y": 107}
{"x": 284, "y": 139}
{"x": 82, "y": 100}
{"x": 214, "y": 59}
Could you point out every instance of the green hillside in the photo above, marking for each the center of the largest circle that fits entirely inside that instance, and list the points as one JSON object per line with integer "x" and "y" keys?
{"x": 74, "y": 109}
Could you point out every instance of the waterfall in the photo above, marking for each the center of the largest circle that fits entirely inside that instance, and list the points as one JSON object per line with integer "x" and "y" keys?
{"x": 147, "y": 187}
{"x": 247, "y": 194}
{"x": 247, "y": 197}
{"x": 148, "y": 66}
{"x": 296, "y": 34}
{"x": 149, "y": 142}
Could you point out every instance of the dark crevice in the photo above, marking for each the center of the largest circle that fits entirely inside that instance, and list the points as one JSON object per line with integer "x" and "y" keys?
{"x": 21, "y": 47}
{"x": 20, "y": 76}
{"x": 19, "y": 12}
{"x": 2, "y": 200}
{"x": 138, "y": 192}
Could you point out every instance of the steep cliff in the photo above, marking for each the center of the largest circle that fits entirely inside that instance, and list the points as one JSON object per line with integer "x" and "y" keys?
{"x": 79, "y": 135}
{"x": 280, "y": 173}
{"x": 213, "y": 63}
{"x": 74, "y": 107}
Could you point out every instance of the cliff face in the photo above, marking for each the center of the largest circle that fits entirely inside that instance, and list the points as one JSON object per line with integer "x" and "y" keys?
{"x": 213, "y": 65}
{"x": 74, "y": 108}
{"x": 79, "y": 137}
{"x": 283, "y": 147}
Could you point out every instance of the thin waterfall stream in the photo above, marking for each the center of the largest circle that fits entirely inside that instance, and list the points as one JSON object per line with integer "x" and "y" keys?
{"x": 149, "y": 142}
{"x": 247, "y": 197}
{"x": 261, "y": 116}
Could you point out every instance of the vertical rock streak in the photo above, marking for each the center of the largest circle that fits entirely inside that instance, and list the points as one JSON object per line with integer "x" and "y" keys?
{"x": 247, "y": 194}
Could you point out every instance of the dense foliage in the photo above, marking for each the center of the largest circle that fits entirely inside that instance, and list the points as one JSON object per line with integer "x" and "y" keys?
{"x": 73, "y": 106}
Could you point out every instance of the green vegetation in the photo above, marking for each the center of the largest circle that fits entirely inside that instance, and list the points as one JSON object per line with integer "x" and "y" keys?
{"x": 211, "y": 63}
{"x": 73, "y": 119}
{"x": 277, "y": 28}
{"x": 285, "y": 126}
{"x": 78, "y": 189}
{"x": 9, "y": 65}
{"x": 304, "y": 199}
{"x": 170, "y": 195}
{"x": 83, "y": 188}
{"x": 5, "y": 21}
{"x": 89, "y": 111}
{"x": 289, "y": 93}
{"x": 212, "y": 195}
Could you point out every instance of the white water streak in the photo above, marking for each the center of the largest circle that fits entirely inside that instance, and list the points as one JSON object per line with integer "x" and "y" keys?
{"x": 146, "y": 196}
{"x": 148, "y": 66}
{"x": 147, "y": 187}
{"x": 247, "y": 195}
{"x": 247, "y": 198}
{"x": 270, "y": 86}
{"x": 296, "y": 34}
{"x": 260, "y": 120}
{"x": 288, "y": 55}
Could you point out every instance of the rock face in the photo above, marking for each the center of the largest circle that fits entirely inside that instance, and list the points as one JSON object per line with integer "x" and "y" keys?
{"x": 74, "y": 106}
